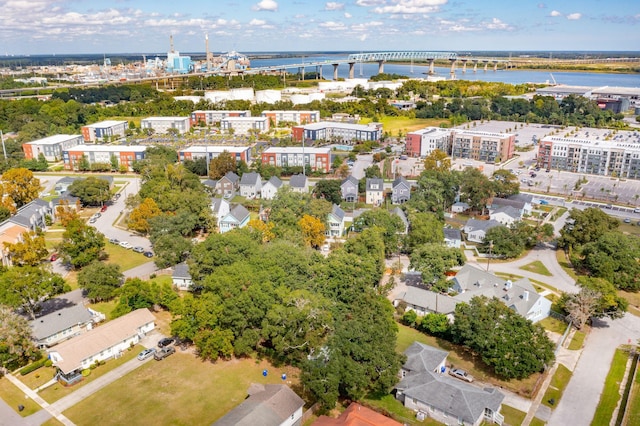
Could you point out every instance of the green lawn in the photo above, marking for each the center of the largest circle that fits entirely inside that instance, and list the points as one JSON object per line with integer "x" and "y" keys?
{"x": 127, "y": 259}
{"x": 633, "y": 404}
{"x": 578, "y": 341}
{"x": 537, "y": 422}
{"x": 554, "y": 325}
{"x": 57, "y": 391}
{"x": 52, "y": 422}
{"x": 13, "y": 396}
{"x": 537, "y": 267}
{"x": 634, "y": 301}
{"x": 559, "y": 382}
{"x": 181, "y": 389}
{"x": 461, "y": 358}
{"x": 388, "y": 405}
{"x": 611, "y": 393}
{"x": 512, "y": 416}
{"x": 564, "y": 263}
{"x": 405, "y": 124}
{"x": 38, "y": 377}
{"x": 105, "y": 307}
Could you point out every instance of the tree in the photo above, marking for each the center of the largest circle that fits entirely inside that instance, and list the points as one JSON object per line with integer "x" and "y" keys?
{"x": 100, "y": 280}
{"x": 614, "y": 256}
{"x": 20, "y": 186}
{"x": 424, "y": 228}
{"x": 475, "y": 188}
{"x": 81, "y": 244}
{"x": 389, "y": 224}
{"x": 139, "y": 217}
{"x": 505, "y": 340}
{"x": 438, "y": 161}
{"x": 170, "y": 249}
{"x": 221, "y": 165}
{"x": 504, "y": 242}
{"x": 91, "y": 191}
{"x": 29, "y": 251}
{"x": 16, "y": 344}
{"x": 329, "y": 189}
{"x": 435, "y": 324}
{"x": 264, "y": 229}
{"x": 312, "y": 230}
{"x": 26, "y": 286}
{"x": 584, "y": 226}
{"x": 136, "y": 294}
{"x": 433, "y": 260}
{"x": 505, "y": 183}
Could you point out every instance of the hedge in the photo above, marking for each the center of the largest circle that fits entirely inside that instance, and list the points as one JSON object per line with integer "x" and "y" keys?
{"x": 33, "y": 366}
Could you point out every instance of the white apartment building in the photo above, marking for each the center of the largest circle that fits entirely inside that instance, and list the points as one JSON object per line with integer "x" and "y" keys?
{"x": 51, "y": 147}
{"x": 243, "y": 125}
{"x": 163, "y": 124}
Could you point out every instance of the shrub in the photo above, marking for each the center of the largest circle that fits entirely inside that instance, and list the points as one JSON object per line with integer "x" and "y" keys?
{"x": 32, "y": 367}
{"x": 86, "y": 372}
{"x": 48, "y": 363}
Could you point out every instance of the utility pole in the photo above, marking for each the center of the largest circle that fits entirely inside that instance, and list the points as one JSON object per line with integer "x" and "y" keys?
{"x": 4, "y": 150}
{"x": 489, "y": 258}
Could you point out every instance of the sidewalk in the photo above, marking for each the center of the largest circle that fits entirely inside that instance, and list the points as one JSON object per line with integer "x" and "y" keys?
{"x": 38, "y": 400}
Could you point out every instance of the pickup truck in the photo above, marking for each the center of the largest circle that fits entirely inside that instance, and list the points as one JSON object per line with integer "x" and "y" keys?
{"x": 163, "y": 353}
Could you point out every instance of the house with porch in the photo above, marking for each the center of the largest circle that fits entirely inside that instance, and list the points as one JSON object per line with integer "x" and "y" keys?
{"x": 181, "y": 277}
{"x": 427, "y": 389}
{"x": 476, "y": 229}
{"x": 99, "y": 344}
{"x": 349, "y": 189}
{"x": 250, "y": 185}
{"x": 400, "y": 190}
{"x": 63, "y": 324}
{"x": 238, "y": 217}
{"x": 452, "y": 237}
{"x": 506, "y": 215}
{"x": 335, "y": 222}
{"x": 374, "y": 191}
{"x": 220, "y": 208}
{"x": 522, "y": 204}
{"x": 270, "y": 188}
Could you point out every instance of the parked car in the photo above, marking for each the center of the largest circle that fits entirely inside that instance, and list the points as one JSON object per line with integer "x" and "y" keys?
{"x": 146, "y": 354}
{"x": 461, "y": 374}
{"x": 138, "y": 249}
{"x": 114, "y": 241}
{"x": 96, "y": 215}
{"x": 54, "y": 257}
{"x": 164, "y": 352}
{"x": 166, "y": 342}
{"x": 627, "y": 220}
{"x": 104, "y": 208}
{"x": 125, "y": 244}
{"x": 544, "y": 202}
{"x": 93, "y": 220}
{"x": 147, "y": 254}
{"x": 636, "y": 210}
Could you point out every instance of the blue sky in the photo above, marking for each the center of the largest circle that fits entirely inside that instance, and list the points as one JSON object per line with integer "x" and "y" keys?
{"x": 132, "y": 26}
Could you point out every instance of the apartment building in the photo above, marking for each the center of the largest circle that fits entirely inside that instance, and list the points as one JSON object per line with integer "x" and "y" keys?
{"x": 483, "y": 146}
{"x": 298, "y": 117}
{"x": 163, "y": 124}
{"x": 104, "y": 129}
{"x": 125, "y": 155}
{"x": 619, "y": 158}
{"x": 423, "y": 142}
{"x": 337, "y": 132}
{"x": 51, "y": 147}
{"x": 212, "y": 151}
{"x": 295, "y": 156}
{"x": 244, "y": 125}
{"x": 210, "y": 117}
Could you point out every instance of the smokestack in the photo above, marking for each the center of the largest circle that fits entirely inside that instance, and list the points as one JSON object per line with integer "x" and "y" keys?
{"x": 206, "y": 47}
{"x": 171, "y": 43}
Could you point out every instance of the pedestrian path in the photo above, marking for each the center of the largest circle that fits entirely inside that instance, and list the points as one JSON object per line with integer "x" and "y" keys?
{"x": 38, "y": 400}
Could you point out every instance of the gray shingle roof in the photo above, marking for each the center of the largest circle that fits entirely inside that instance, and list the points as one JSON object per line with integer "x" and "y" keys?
{"x": 239, "y": 213}
{"x": 250, "y": 178}
{"x": 267, "y": 405}
{"x": 350, "y": 179}
{"x": 452, "y": 234}
{"x": 209, "y": 183}
{"x": 57, "y": 321}
{"x": 429, "y": 300}
{"x": 508, "y": 210}
{"x": 338, "y": 212}
{"x": 275, "y": 181}
{"x": 232, "y": 177}
{"x": 476, "y": 225}
{"x": 500, "y": 202}
{"x": 298, "y": 181}
{"x": 181, "y": 270}
{"x": 400, "y": 180}
{"x": 374, "y": 181}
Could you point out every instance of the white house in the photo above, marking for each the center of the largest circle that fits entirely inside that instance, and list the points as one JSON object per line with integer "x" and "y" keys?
{"x": 181, "y": 277}
{"x": 63, "y": 324}
{"x": 250, "y": 185}
{"x": 374, "y": 191}
{"x": 220, "y": 208}
{"x": 400, "y": 190}
{"x": 335, "y": 222}
{"x": 477, "y": 229}
{"x": 238, "y": 217}
{"x": 505, "y": 215}
{"x": 459, "y": 207}
{"x": 299, "y": 183}
{"x": 270, "y": 188}
{"x": 452, "y": 237}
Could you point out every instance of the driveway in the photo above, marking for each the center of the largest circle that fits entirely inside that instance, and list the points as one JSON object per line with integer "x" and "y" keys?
{"x": 361, "y": 163}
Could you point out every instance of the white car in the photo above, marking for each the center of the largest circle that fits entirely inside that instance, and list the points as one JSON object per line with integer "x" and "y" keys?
{"x": 125, "y": 244}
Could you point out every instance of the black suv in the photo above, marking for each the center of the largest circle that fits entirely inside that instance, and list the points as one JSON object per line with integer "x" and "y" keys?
{"x": 165, "y": 342}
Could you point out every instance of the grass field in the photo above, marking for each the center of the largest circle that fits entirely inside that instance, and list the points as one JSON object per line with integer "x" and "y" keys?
{"x": 57, "y": 391}
{"x": 512, "y": 416}
{"x": 393, "y": 125}
{"x": 578, "y": 340}
{"x": 633, "y": 407}
{"x": 564, "y": 263}
{"x": 559, "y": 382}
{"x": 461, "y": 358}
{"x": 127, "y": 259}
{"x": 105, "y": 307}
{"x": 611, "y": 393}
{"x": 388, "y": 405}
{"x": 38, "y": 377}
{"x": 554, "y": 325}
{"x": 180, "y": 390}
{"x": 537, "y": 267}
{"x": 13, "y": 396}
{"x": 634, "y": 301}
{"x": 536, "y": 422}
{"x": 629, "y": 228}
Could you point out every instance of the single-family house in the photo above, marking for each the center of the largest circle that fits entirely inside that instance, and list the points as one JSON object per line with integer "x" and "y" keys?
{"x": 33, "y": 215}
{"x": 427, "y": 389}
{"x": 335, "y": 222}
{"x": 374, "y": 191}
{"x": 423, "y": 301}
{"x": 403, "y": 217}
{"x": 99, "y": 344}
{"x": 250, "y": 185}
{"x": 356, "y": 415}
{"x": 220, "y": 208}
{"x": 505, "y": 215}
{"x": 228, "y": 185}
{"x": 210, "y": 185}
{"x": 528, "y": 199}
{"x": 523, "y": 206}
{"x": 266, "y": 405}
{"x": 238, "y": 217}
{"x": 63, "y": 324}
{"x": 349, "y": 189}
{"x": 10, "y": 233}
{"x": 520, "y": 295}
{"x": 299, "y": 183}
{"x": 459, "y": 207}
{"x": 400, "y": 190}
{"x": 270, "y": 188}
{"x": 181, "y": 277}
{"x": 452, "y": 237}
{"x": 477, "y": 229}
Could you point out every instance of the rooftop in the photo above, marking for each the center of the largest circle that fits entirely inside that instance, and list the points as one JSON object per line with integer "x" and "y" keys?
{"x": 106, "y": 123}
{"x": 296, "y": 150}
{"x": 215, "y": 149}
{"x": 108, "y": 148}
{"x": 324, "y": 124}
{"x": 52, "y": 140}
{"x": 63, "y": 319}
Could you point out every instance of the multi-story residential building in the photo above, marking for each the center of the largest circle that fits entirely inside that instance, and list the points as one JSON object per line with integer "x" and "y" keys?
{"x": 295, "y": 156}
{"x": 124, "y": 155}
{"x": 298, "y": 117}
{"x": 51, "y": 147}
{"x": 374, "y": 191}
{"x": 423, "y": 142}
{"x": 483, "y": 146}
{"x": 210, "y": 117}
{"x": 163, "y": 124}
{"x": 337, "y": 132}
{"x": 599, "y": 157}
{"x": 103, "y": 130}
{"x": 212, "y": 151}
{"x": 244, "y": 125}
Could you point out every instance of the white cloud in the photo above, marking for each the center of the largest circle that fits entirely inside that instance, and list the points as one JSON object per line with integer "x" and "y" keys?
{"x": 574, "y": 16}
{"x": 555, "y": 13}
{"x": 333, "y": 5}
{"x": 411, "y": 6}
{"x": 257, "y": 22}
{"x": 542, "y": 6}
{"x": 367, "y": 3}
{"x": 363, "y": 37}
{"x": 266, "y": 5}
{"x": 332, "y": 25}
{"x": 347, "y": 15}
{"x": 497, "y": 24}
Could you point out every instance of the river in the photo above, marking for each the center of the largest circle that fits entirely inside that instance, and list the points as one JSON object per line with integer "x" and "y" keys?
{"x": 513, "y": 76}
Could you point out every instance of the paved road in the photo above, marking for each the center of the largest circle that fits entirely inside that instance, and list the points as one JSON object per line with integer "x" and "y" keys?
{"x": 580, "y": 398}
{"x": 361, "y": 163}
{"x": 143, "y": 271}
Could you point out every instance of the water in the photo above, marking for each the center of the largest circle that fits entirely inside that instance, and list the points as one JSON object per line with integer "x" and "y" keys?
{"x": 572, "y": 78}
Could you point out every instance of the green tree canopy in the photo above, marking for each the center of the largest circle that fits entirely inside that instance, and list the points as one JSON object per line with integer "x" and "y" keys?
{"x": 16, "y": 344}
{"x": 91, "y": 191}
{"x": 100, "y": 280}
{"x": 585, "y": 226}
{"x": 433, "y": 260}
{"x": 26, "y": 286}
{"x": 81, "y": 244}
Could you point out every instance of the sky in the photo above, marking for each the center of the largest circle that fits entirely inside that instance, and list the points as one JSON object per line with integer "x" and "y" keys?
{"x": 144, "y": 26}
